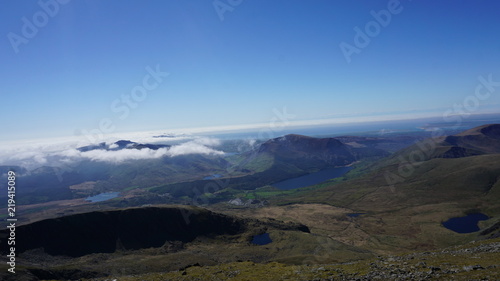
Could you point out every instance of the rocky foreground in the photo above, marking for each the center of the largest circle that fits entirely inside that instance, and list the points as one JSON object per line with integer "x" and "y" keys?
{"x": 473, "y": 261}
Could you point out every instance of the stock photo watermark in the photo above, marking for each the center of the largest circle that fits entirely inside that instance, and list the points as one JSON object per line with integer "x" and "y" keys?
{"x": 122, "y": 108}
{"x": 363, "y": 37}
{"x": 277, "y": 124}
{"x": 484, "y": 89}
{"x": 223, "y": 6}
{"x": 126, "y": 103}
{"x": 459, "y": 111}
{"x": 11, "y": 220}
{"x": 31, "y": 26}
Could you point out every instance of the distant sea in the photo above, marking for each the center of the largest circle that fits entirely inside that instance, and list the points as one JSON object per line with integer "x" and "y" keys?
{"x": 378, "y": 128}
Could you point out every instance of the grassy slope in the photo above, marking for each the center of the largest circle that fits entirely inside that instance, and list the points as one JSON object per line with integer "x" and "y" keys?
{"x": 402, "y": 218}
{"x": 471, "y": 261}
{"x": 408, "y": 215}
{"x": 433, "y": 181}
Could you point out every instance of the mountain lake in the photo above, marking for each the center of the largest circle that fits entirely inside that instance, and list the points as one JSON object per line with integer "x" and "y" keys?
{"x": 102, "y": 197}
{"x": 312, "y": 179}
{"x": 466, "y": 224}
{"x": 355, "y": 215}
{"x": 212, "y": 177}
{"x": 262, "y": 239}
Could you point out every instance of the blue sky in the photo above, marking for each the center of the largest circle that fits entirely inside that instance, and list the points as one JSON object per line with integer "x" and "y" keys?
{"x": 264, "y": 55}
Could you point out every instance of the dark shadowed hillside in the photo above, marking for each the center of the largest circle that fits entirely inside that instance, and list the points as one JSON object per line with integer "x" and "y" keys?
{"x": 481, "y": 140}
{"x": 130, "y": 229}
{"x": 302, "y": 149}
{"x": 477, "y": 141}
{"x": 158, "y": 239}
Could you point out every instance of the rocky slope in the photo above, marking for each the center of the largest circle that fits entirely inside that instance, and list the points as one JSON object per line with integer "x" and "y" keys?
{"x": 155, "y": 239}
{"x": 127, "y": 229}
{"x": 473, "y": 261}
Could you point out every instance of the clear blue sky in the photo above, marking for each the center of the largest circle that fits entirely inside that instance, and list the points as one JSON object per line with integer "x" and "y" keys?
{"x": 263, "y": 55}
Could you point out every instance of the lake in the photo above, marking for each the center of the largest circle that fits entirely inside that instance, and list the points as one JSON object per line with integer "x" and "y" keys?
{"x": 212, "y": 177}
{"x": 262, "y": 239}
{"x": 313, "y": 178}
{"x": 354, "y": 215}
{"x": 466, "y": 224}
{"x": 102, "y": 197}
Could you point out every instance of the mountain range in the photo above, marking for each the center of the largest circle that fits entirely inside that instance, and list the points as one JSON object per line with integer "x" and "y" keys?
{"x": 121, "y": 144}
{"x": 390, "y": 203}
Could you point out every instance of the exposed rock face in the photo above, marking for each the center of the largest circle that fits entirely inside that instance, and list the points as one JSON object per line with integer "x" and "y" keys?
{"x": 165, "y": 228}
{"x": 492, "y": 231}
{"x": 129, "y": 229}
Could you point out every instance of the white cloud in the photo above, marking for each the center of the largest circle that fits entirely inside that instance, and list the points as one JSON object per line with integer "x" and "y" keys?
{"x": 193, "y": 147}
{"x": 251, "y": 142}
{"x": 207, "y": 141}
{"x": 118, "y": 156}
{"x": 113, "y": 146}
{"x": 32, "y": 154}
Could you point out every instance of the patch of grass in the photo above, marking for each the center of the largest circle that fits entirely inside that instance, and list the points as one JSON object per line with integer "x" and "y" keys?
{"x": 258, "y": 164}
{"x": 471, "y": 261}
{"x": 265, "y": 192}
{"x": 130, "y": 188}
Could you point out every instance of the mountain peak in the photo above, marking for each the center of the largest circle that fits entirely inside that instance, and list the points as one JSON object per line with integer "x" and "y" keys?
{"x": 492, "y": 131}
{"x": 489, "y": 130}
{"x": 295, "y": 147}
{"x": 296, "y": 136}
{"x": 121, "y": 144}
{"x": 483, "y": 139}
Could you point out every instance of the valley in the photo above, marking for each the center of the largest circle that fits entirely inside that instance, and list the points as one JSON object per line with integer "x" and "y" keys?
{"x": 250, "y": 140}
{"x": 356, "y": 202}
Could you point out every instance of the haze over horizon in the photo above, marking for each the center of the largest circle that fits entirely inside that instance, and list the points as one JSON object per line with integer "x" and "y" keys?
{"x": 79, "y": 66}
{"x": 250, "y": 140}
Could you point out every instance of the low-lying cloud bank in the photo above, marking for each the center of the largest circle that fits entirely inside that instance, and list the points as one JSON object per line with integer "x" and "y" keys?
{"x": 193, "y": 147}
{"x": 57, "y": 155}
